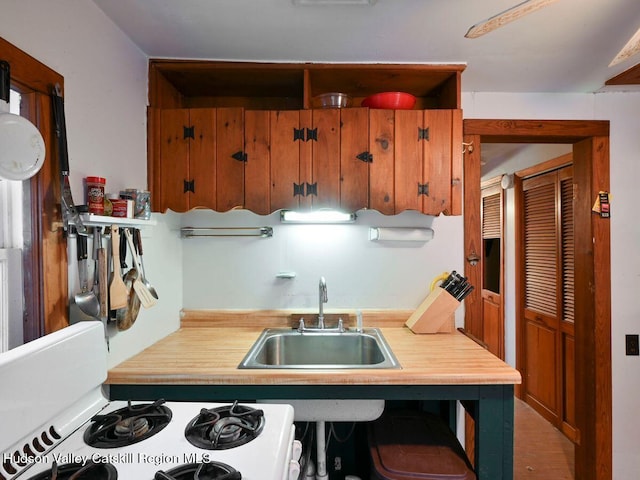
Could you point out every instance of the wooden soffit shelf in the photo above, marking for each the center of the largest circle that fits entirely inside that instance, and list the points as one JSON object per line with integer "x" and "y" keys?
{"x": 628, "y": 77}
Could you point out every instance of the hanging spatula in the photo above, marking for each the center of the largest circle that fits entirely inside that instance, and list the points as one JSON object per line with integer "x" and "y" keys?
{"x": 118, "y": 293}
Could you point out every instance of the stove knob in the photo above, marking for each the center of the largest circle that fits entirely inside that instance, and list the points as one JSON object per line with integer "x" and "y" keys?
{"x": 296, "y": 450}
{"x": 294, "y": 470}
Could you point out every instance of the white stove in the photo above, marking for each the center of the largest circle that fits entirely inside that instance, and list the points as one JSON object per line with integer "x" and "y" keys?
{"x": 53, "y": 410}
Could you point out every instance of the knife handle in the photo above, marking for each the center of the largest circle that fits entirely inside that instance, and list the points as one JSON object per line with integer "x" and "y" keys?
{"x": 102, "y": 272}
{"x": 81, "y": 244}
{"x": 123, "y": 251}
{"x": 137, "y": 240}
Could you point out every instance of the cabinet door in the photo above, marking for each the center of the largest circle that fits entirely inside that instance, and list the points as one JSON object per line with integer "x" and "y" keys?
{"x": 202, "y": 158}
{"x": 436, "y": 173}
{"x": 257, "y": 190}
{"x": 408, "y": 160}
{"x": 324, "y": 137}
{"x": 492, "y": 323}
{"x": 174, "y": 160}
{"x": 230, "y": 159}
{"x": 308, "y": 188}
{"x": 428, "y": 153}
{"x": 381, "y": 170}
{"x": 305, "y": 159}
{"x": 354, "y": 164}
{"x": 187, "y": 159}
{"x": 285, "y": 159}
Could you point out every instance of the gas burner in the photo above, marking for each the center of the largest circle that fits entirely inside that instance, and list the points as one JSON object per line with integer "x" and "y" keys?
{"x": 127, "y": 425}
{"x": 225, "y": 427}
{"x": 132, "y": 425}
{"x": 200, "y": 471}
{"x": 87, "y": 471}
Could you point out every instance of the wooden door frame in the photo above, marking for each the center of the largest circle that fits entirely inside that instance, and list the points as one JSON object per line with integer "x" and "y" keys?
{"x": 590, "y": 140}
{"x": 46, "y": 304}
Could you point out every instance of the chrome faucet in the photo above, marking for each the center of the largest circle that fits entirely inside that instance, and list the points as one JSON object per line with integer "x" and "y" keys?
{"x": 322, "y": 299}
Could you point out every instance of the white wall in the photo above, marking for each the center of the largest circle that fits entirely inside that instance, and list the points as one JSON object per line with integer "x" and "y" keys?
{"x": 105, "y": 105}
{"x": 620, "y": 109}
{"x": 105, "y": 80}
{"x": 232, "y": 273}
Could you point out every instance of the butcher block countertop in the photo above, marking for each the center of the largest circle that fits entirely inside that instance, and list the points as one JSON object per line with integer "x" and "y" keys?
{"x": 208, "y": 347}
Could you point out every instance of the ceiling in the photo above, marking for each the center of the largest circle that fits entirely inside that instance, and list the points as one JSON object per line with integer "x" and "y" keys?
{"x": 565, "y": 47}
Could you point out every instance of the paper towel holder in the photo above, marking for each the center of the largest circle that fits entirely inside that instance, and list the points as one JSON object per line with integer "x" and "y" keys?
{"x": 400, "y": 234}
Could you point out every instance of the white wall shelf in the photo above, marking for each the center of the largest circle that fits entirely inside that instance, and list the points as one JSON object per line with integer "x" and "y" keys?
{"x": 91, "y": 220}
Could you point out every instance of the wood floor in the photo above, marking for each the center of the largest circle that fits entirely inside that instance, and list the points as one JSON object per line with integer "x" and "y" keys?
{"x": 541, "y": 452}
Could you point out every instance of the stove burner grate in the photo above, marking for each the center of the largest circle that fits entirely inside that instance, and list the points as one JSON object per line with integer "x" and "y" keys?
{"x": 200, "y": 471}
{"x": 78, "y": 471}
{"x": 127, "y": 425}
{"x": 225, "y": 427}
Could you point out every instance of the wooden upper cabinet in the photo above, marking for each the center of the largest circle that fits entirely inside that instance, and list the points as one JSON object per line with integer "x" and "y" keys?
{"x": 201, "y": 159}
{"x": 381, "y": 172}
{"x": 286, "y": 187}
{"x": 201, "y": 176}
{"x": 321, "y": 151}
{"x": 172, "y": 174}
{"x": 187, "y": 155}
{"x": 254, "y": 140}
{"x": 230, "y": 159}
{"x": 305, "y": 159}
{"x": 416, "y": 153}
{"x": 355, "y": 157}
{"x": 257, "y": 175}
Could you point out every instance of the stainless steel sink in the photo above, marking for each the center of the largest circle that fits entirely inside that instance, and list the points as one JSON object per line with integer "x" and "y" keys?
{"x": 288, "y": 348}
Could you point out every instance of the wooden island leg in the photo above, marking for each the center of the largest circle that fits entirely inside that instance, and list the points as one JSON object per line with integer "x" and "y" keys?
{"x": 493, "y": 414}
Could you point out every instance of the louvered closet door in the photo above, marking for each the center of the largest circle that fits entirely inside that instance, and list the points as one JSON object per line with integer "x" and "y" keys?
{"x": 492, "y": 265}
{"x": 549, "y": 296}
{"x": 541, "y": 319}
{"x": 567, "y": 322}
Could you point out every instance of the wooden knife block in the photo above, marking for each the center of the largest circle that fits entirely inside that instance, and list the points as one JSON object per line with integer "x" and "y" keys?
{"x": 435, "y": 314}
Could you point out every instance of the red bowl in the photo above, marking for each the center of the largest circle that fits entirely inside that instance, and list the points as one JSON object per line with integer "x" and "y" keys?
{"x": 390, "y": 100}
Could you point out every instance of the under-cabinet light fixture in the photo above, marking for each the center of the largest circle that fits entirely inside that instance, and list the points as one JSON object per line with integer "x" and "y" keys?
{"x": 317, "y": 216}
{"x": 334, "y": 2}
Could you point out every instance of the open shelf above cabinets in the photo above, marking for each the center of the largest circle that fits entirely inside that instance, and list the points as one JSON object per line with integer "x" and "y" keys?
{"x": 292, "y": 86}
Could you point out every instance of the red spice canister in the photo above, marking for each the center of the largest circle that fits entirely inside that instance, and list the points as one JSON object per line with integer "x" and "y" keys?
{"x": 95, "y": 194}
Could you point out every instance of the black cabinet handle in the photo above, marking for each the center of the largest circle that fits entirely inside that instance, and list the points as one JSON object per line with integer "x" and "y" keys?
{"x": 365, "y": 157}
{"x": 312, "y": 189}
{"x": 240, "y": 156}
{"x": 312, "y": 134}
{"x": 189, "y": 132}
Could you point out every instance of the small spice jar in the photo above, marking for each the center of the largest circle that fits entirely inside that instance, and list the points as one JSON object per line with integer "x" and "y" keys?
{"x": 95, "y": 194}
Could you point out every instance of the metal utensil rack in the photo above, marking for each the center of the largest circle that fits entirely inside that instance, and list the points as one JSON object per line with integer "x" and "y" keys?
{"x": 193, "y": 232}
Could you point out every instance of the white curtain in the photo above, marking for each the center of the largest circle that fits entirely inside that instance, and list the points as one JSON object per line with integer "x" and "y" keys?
{"x": 11, "y": 243}
{"x": 11, "y": 214}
